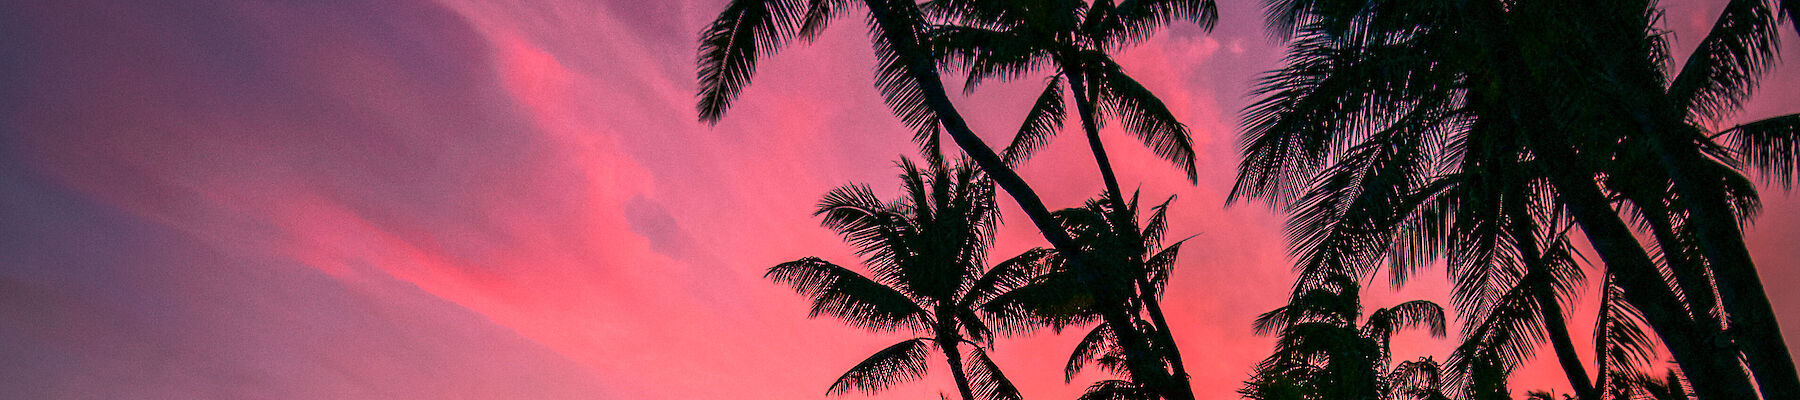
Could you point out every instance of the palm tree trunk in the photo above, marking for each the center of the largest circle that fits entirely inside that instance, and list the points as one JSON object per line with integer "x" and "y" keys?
{"x": 1754, "y": 326}
{"x": 924, "y": 71}
{"x": 1753, "y": 323}
{"x": 1178, "y": 376}
{"x": 1558, "y": 332}
{"x": 953, "y": 354}
{"x": 1715, "y": 374}
{"x": 1556, "y": 329}
{"x": 1084, "y": 106}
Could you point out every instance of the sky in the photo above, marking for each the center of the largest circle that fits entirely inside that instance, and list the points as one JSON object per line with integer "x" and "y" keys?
{"x": 497, "y": 199}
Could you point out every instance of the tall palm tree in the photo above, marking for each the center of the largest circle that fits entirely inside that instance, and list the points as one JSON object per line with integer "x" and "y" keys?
{"x": 908, "y": 79}
{"x": 1005, "y": 39}
{"x": 925, "y": 252}
{"x": 1327, "y": 348}
{"x": 1390, "y": 83}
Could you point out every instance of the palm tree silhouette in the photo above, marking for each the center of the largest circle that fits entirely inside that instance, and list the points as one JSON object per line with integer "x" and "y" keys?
{"x": 1122, "y": 258}
{"x": 1399, "y": 91}
{"x": 925, "y": 252}
{"x": 1327, "y": 348}
{"x": 909, "y": 82}
{"x": 999, "y": 39}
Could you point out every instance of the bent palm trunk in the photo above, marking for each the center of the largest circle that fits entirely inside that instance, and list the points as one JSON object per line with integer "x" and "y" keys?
{"x": 1715, "y": 374}
{"x": 1753, "y": 323}
{"x": 1557, "y": 330}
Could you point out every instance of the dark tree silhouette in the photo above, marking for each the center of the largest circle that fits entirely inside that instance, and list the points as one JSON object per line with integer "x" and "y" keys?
{"x": 1002, "y": 39}
{"x": 1327, "y": 348}
{"x": 1385, "y": 95}
{"x": 925, "y": 252}
{"x": 1121, "y": 258}
{"x": 908, "y": 80}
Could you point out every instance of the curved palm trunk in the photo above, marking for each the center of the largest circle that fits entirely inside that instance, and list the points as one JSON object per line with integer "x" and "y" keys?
{"x": 1753, "y": 323}
{"x": 953, "y": 354}
{"x": 1556, "y": 329}
{"x": 1714, "y": 374}
{"x": 1084, "y": 106}
{"x": 1690, "y": 273}
{"x": 924, "y": 70}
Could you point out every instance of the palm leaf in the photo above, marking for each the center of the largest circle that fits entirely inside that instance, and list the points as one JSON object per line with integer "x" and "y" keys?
{"x": 1144, "y": 115}
{"x": 1133, "y": 21}
{"x": 1096, "y": 344}
{"x": 986, "y": 380}
{"x": 848, "y": 295}
{"x": 729, "y": 48}
{"x": 1722, "y": 71}
{"x": 1770, "y": 146}
{"x": 900, "y": 363}
{"x": 1118, "y": 390}
{"x": 896, "y": 27}
{"x": 1041, "y": 123}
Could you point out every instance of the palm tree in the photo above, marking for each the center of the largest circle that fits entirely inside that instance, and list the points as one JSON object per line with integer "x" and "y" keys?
{"x": 908, "y": 79}
{"x": 1123, "y": 261}
{"x": 1001, "y": 39}
{"x": 925, "y": 252}
{"x": 1328, "y": 349}
{"x": 1404, "y": 89}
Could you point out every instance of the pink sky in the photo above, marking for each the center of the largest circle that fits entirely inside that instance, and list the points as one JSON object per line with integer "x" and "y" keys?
{"x": 512, "y": 199}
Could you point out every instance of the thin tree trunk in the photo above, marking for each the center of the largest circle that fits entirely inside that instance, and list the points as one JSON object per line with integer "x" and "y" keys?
{"x": 953, "y": 354}
{"x": 1558, "y": 332}
{"x": 1179, "y": 376}
{"x": 1525, "y": 235}
{"x": 924, "y": 70}
{"x": 1084, "y": 107}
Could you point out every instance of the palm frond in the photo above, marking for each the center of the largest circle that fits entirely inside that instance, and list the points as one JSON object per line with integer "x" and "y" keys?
{"x": 1133, "y": 21}
{"x": 896, "y": 33}
{"x": 900, "y": 363}
{"x": 1770, "y": 146}
{"x": 983, "y": 54}
{"x": 1724, "y": 69}
{"x": 1006, "y": 276}
{"x": 1057, "y": 300}
{"x": 1041, "y": 123}
{"x": 819, "y": 14}
{"x": 986, "y": 380}
{"x": 729, "y": 48}
{"x": 1114, "y": 389}
{"x": 845, "y": 294}
{"x": 1096, "y": 344}
{"x": 1143, "y": 115}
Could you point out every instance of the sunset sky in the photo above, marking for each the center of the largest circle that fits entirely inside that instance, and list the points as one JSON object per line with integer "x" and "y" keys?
{"x": 495, "y": 199}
